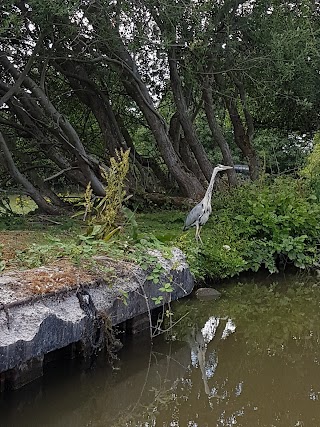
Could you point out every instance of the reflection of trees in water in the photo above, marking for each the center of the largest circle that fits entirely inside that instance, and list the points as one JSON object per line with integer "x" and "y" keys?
{"x": 207, "y": 372}
{"x": 270, "y": 317}
{"x": 276, "y": 329}
{"x": 158, "y": 390}
{"x": 163, "y": 385}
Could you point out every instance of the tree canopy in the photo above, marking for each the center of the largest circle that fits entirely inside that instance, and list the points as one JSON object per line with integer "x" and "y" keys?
{"x": 181, "y": 84}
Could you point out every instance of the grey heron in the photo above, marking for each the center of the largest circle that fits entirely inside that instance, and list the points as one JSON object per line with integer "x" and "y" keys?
{"x": 199, "y": 215}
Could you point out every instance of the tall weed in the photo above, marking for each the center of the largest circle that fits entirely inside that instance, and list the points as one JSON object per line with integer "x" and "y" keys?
{"x": 102, "y": 213}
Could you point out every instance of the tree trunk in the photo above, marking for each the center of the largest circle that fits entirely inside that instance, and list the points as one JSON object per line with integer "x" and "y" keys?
{"x": 242, "y": 135}
{"x": 22, "y": 180}
{"x": 30, "y": 122}
{"x": 146, "y": 162}
{"x": 189, "y": 160}
{"x": 114, "y": 133}
{"x": 44, "y": 188}
{"x": 121, "y": 61}
{"x": 188, "y": 183}
{"x": 69, "y": 135}
{"x": 183, "y": 150}
{"x": 217, "y": 132}
{"x": 185, "y": 120}
{"x": 90, "y": 95}
{"x": 175, "y": 132}
{"x": 137, "y": 90}
{"x": 243, "y": 140}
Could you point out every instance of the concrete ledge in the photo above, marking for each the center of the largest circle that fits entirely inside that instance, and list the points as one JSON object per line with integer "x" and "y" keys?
{"x": 32, "y": 325}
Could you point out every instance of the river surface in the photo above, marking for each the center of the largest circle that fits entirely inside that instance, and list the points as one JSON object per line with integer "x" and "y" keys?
{"x": 250, "y": 359}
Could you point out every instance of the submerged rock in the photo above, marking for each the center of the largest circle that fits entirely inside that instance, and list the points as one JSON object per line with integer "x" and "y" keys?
{"x": 207, "y": 294}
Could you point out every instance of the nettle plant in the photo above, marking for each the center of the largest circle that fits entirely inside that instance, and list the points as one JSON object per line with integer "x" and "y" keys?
{"x": 283, "y": 224}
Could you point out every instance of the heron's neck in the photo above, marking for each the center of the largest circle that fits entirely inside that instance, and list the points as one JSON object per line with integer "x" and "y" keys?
{"x": 210, "y": 187}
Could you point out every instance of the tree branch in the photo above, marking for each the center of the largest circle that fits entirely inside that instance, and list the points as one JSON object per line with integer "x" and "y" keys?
{"x": 23, "y": 74}
{"x": 60, "y": 173}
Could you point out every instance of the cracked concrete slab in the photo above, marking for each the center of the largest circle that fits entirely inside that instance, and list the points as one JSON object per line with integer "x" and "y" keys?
{"x": 32, "y": 325}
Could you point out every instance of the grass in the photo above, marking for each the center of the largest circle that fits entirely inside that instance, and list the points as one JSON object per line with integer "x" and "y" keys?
{"x": 258, "y": 226}
{"x": 31, "y": 240}
{"x": 22, "y": 233}
{"x": 166, "y": 226}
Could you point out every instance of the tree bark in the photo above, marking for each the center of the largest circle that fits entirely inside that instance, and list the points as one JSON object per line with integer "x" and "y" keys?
{"x": 44, "y": 188}
{"x": 243, "y": 140}
{"x": 145, "y": 162}
{"x": 137, "y": 90}
{"x": 242, "y": 134}
{"x": 217, "y": 132}
{"x": 90, "y": 95}
{"x": 188, "y": 183}
{"x": 30, "y": 121}
{"x": 185, "y": 120}
{"x": 114, "y": 133}
{"x": 69, "y": 136}
{"x": 183, "y": 150}
{"x": 22, "y": 180}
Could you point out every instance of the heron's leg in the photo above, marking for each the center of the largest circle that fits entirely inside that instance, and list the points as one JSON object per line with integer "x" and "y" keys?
{"x": 199, "y": 235}
{"x": 197, "y": 230}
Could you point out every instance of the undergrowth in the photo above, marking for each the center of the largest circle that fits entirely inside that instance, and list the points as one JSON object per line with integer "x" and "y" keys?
{"x": 264, "y": 225}
{"x": 259, "y": 225}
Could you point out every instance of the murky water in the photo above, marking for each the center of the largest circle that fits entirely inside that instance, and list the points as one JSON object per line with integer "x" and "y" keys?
{"x": 250, "y": 359}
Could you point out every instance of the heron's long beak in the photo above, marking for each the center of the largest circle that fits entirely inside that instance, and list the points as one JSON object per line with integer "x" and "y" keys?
{"x": 228, "y": 167}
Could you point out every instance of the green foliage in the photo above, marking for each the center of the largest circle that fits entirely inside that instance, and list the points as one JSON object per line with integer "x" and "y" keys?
{"x": 102, "y": 213}
{"x": 257, "y": 225}
{"x": 279, "y": 152}
{"x": 167, "y": 287}
{"x": 262, "y": 225}
{"x": 155, "y": 273}
{"x": 286, "y": 84}
{"x": 218, "y": 257}
{"x": 279, "y": 222}
{"x": 312, "y": 169}
{"x": 157, "y": 300}
{"x": 55, "y": 248}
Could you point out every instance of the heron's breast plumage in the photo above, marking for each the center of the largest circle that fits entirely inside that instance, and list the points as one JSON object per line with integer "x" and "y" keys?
{"x": 194, "y": 216}
{"x": 204, "y": 217}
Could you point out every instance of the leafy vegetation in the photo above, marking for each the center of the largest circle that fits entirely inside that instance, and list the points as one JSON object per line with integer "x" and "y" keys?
{"x": 259, "y": 225}
{"x": 269, "y": 224}
{"x": 102, "y": 213}
{"x": 312, "y": 169}
{"x": 182, "y": 87}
